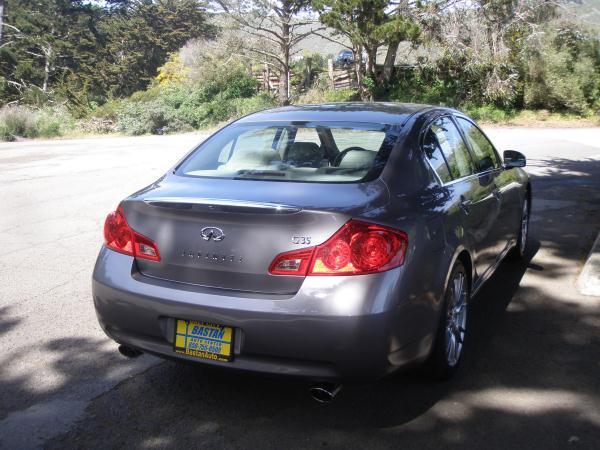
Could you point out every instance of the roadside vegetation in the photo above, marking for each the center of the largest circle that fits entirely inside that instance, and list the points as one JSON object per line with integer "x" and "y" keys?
{"x": 72, "y": 67}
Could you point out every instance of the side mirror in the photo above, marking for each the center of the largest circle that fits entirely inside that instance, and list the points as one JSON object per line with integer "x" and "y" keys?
{"x": 513, "y": 158}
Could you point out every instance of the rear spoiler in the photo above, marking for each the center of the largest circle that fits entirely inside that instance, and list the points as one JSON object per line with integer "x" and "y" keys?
{"x": 215, "y": 204}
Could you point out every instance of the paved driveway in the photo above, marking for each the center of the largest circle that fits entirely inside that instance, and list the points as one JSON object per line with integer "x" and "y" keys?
{"x": 532, "y": 378}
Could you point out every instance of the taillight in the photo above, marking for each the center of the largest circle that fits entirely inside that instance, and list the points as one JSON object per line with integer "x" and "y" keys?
{"x": 356, "y": 248}
{"x": 119, "y": 236}
{"x": 292, "y": 263}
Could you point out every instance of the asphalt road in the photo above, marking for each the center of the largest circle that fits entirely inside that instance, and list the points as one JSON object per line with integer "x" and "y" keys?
{"x": 532, "y": 378}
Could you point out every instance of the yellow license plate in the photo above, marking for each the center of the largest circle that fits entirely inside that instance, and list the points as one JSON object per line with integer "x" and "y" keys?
{"x": 203, "y": 340}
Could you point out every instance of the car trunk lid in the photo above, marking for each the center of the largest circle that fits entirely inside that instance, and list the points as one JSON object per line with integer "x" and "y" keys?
{"x": 226, "y": 233}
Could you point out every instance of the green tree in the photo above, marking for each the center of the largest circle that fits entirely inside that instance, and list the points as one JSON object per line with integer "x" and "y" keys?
{"x": 363, "y": 24}
{"x": 81, "y": 51}
{"x": 43, "y": 40}
{"x": 273, "y": 32}
{"x": 138, "y": 37}
{"x": 408, "y": 21}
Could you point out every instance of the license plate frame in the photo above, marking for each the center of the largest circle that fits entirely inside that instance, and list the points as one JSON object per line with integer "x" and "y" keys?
{"x": 203, "y": 340}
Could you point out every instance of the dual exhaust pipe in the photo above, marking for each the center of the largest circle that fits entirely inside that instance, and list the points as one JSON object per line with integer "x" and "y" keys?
{"x": 320, "y": 392}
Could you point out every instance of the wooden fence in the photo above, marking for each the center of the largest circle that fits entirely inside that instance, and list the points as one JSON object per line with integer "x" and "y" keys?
{"x": 269, "y": 80}
{"x": 339, "y": 78}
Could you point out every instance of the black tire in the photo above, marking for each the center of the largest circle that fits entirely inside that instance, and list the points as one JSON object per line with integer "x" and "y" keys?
{"x": 440, "y": 365}
{"x": 519, "y": 251}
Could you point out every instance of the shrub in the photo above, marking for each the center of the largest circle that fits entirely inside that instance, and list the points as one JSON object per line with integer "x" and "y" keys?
{"x": 5, "y": 134}
{"x": 488, "y": 113}
{"x": 141, "y": 117}
{"x": 175, "y": 107}
{"x": 341, "y": 95}
{"x": 23, "y": 121}
{"x": 107, "y": 111}
{"x": 18, "y": 121}
{"x": 558, "y": 83}
{"x": 321, "y": 92}
{"x": 53, "y": 122}
{"x": 245, "y": 106}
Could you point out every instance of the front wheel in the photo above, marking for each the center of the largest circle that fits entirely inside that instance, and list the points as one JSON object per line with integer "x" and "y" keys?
{"x": 452, "y": 330}
{"x": 521, "y": 247}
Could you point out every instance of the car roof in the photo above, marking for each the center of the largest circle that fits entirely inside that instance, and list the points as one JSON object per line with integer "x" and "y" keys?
{"x": 373, "y": 112}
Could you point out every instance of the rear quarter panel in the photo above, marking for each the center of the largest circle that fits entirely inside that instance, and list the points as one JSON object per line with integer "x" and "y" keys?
{"x": 419, "y": 207}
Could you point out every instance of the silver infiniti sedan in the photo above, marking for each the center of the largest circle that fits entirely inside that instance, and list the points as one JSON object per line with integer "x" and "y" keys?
{"x": 333, "y": 242}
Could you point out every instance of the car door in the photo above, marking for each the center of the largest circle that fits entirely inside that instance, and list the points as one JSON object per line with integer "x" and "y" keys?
{"x": 489, "y": 166}
{"x": 477, "y": 209}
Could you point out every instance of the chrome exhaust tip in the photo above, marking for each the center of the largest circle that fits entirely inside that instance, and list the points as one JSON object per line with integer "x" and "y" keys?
{"x": 129, "y": 352}
{"x": 325, "y": 392}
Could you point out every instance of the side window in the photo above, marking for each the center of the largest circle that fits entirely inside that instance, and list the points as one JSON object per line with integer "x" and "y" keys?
{"x": 453, "y": 147}
{"x": 433, "y": 152}
{"x": 483, "y": 151}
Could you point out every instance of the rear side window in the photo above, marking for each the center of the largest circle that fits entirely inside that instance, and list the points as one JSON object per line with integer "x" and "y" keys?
{"x": 453, "y": 148}
{"x": 483, "y": 150}
{"x": 433, "y": 152}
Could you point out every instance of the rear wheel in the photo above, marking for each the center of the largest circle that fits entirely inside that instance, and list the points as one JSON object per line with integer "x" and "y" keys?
{"x": 452, "y": 330}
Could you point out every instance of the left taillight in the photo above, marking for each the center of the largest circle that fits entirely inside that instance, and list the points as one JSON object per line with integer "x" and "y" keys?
{"x": 119, "y": 236}
{"x": 357, "y": 248}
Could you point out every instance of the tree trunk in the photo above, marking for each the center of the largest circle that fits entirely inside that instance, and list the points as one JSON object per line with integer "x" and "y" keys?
{"x": 390, "y": 60}
{"x": 47, "y": 56}
{"x": 1, "y": 18}
{"x": 284, "y": 77}
{"x": 365, "y": 94}
{"x": 284, "y": 86}
{"x": 371, "y": 61}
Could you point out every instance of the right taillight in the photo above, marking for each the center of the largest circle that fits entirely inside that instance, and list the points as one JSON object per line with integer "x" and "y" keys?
{"x": 119, "y": 236}
{"x": 355, "y": 249}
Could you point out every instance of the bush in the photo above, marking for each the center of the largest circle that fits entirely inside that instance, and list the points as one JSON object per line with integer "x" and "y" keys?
{"x": 23, "y": 121}
{"x": 341, "y": 95}
{"x": 321, "y": 92}
{"x": 488, "y": 113}
{"x": 141, "y": 117}
{"x": 245, "y": 106}
{"x": 173, "y": 107}
{"x": 18, "y": 121}
{"x": 107, "y": 111}
{"x": 560, "y": 84}
{"x": 53, "y": 122}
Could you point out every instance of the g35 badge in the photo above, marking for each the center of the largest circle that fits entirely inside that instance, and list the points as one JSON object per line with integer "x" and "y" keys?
{"x": 301, "y": 240}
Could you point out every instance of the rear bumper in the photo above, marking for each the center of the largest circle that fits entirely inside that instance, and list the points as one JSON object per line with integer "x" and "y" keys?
{"x": 332, "y": 328}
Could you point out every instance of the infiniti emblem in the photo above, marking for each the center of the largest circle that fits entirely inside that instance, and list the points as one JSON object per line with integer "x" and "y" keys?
{"x": 214, "y": 233}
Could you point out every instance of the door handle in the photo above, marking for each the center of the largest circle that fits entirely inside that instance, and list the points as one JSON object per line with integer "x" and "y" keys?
{"x": 464, "y": 205}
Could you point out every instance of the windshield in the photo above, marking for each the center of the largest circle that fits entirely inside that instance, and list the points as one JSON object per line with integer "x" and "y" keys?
{"x": 332, "y": 152}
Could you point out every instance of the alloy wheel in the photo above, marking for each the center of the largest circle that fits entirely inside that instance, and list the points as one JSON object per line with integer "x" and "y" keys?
{"x": 524, "y": 227}
{"x": 456, "y": 319}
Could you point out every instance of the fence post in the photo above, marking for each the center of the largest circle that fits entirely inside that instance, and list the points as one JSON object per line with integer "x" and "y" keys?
{"x": 267, "y": 81}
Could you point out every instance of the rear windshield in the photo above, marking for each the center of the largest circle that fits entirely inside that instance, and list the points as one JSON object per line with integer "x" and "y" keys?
{"x": 331, "y": 152}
